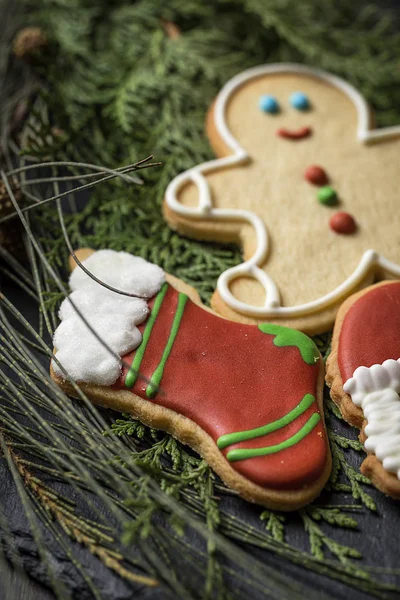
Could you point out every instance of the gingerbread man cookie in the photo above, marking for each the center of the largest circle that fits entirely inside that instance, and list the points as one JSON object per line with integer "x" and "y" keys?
{"x": 247, "y": 398}
{"x": 363, "y": 371}
{"x": 304, "y": 185}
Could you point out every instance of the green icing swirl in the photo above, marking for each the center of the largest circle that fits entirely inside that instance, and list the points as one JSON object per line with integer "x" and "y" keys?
{"x": 242, "y": 454}
{"x": 249, "y": 434}
{"x": 133, "y": 372}
{"x": 284, "y": 336}
{"x": 155, "y": 379}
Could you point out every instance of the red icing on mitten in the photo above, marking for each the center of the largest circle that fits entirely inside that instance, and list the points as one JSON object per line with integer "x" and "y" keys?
{"x": 252, "y": 389}
{"x": 370, "y": 333}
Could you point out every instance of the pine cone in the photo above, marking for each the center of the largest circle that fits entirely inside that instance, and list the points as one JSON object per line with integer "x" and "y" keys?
{"x": 29, "y": 42}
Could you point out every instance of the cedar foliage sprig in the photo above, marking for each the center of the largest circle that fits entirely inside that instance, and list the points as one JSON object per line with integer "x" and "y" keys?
{"x": 319, "y": 539}
{"x": 354, "y": 477}
{"x": 97, "y": 538}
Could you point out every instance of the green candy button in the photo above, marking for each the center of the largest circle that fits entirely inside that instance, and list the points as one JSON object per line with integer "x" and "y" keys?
{"x": 327, "y": 195}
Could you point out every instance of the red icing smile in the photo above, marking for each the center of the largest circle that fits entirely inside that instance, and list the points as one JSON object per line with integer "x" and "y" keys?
{"x": 298, "y": 134}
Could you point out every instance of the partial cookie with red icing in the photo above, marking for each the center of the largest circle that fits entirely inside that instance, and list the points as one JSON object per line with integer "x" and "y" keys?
{"x": 301, "y": 181}
{"x": 363, "y": 371}
{"x": 248, "y": 398}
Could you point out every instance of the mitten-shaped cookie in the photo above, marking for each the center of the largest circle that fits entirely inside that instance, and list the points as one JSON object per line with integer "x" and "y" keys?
{"x": 363, "y": 371}
{"x": 304, "y": 185}
{"x": 246, "y": 397}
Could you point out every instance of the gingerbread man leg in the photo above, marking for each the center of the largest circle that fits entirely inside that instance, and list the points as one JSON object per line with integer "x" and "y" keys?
{"x": 246, "y": 397}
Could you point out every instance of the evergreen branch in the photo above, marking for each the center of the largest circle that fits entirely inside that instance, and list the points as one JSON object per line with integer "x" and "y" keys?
{"x": 318, "y": 539}
{"x": 78, "y": 528}
{"x": 274, "y": 524}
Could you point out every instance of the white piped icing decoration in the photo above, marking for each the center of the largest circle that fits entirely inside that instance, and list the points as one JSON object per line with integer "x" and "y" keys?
{"x": 251, "y": 268}
{"x": 376, "y": 390}
{"x": 113, "y": 316}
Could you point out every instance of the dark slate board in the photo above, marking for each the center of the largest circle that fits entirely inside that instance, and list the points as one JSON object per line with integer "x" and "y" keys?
{"x": 377, "y": 538}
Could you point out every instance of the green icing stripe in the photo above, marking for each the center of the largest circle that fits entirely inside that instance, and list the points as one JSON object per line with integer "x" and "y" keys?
{"x": 133, "y": 372}
{"x": 238, "y": 454}
{"x": 284, "y": 336}
{"x": 155, "y": 379}
{"x": 234, "y": 438}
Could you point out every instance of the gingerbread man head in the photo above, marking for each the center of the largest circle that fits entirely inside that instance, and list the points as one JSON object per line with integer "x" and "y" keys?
{"x": 305, "y": 186}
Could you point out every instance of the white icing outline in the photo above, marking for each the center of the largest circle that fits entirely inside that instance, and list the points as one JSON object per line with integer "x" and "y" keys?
{"x": 376, "y": 390}
{"x": 205, "y": 209}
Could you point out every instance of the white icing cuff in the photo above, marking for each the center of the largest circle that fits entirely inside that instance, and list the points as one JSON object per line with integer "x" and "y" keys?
{"x": 121, "y": 270}
{"x": 370, "y": 379}
{"x": 376, "y": 390}
{"x": 114, "y": 317}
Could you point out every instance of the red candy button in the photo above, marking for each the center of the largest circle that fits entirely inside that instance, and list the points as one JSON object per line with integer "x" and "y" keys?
{"x": 316, "y": 175}
{"x": 342, "y": 222}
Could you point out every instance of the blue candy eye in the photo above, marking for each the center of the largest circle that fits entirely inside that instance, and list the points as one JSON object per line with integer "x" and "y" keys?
{"x": 269, "y": 104}
{"x": 300, "y": 101}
